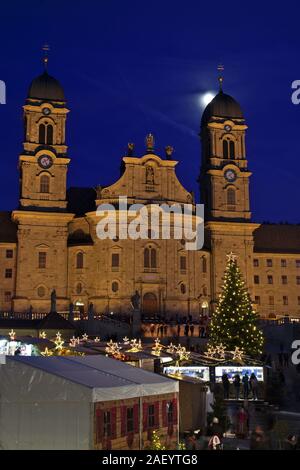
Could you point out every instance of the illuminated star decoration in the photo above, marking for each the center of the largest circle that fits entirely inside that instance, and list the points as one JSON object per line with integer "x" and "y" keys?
{"x": 211, "y": 352}
{"x": 47, "y": 352}
{"x": 12, "y": 335}
{"x": 126, "y": 340}
{"x": 231, "y": 256}
{"x": 113, "y": 349}
{"x": 73, "y": 342}
{"x": 182, "y": 354}
{"x": 97, "y": 339}
{"x": 220, "y": 350}
{"x": 171, "y": 348}
{"x": 43, "y": 335}
{"x": 58, "y": 342}
{"x": 85, "y": 337}
{"x": 136, "y": 346}
{"x": 156, "y": 349}
{"x": 238, "y": 354}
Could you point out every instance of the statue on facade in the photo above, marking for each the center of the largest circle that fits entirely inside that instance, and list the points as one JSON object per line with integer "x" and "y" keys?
{"x": 169, "y": 151}
{"x": 135, "y": 300}
{"x": 71, "y": 311}
{"x": 130, "y": 149}
{"x": 150, "y": 143}
{"x": 53, "y": 301}
{"x": 149, "y": 175}
{"x": 91, "y": 312}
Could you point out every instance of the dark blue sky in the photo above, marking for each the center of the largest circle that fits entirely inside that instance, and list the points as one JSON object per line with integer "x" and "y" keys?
{"x": 133, "y": 67}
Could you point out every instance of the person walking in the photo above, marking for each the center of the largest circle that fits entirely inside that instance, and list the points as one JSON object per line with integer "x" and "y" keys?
{"x": 245, "y": 381}
{"x": 226, "y": 385}
{"x": 254, "y": 386}
{"x": 241, "y": 423}
{"x": 215, "y": 442}
{"x": 237, "y": 384}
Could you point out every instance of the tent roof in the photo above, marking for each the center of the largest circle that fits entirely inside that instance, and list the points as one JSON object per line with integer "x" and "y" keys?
{"x": 107, "y": 378}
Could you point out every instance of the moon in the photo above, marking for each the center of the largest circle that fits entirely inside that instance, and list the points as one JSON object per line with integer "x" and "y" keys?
{"x": 207, "y": 97}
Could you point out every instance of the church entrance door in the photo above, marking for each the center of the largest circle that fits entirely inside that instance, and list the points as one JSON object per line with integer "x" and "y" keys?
{"x": 150, "y": 305}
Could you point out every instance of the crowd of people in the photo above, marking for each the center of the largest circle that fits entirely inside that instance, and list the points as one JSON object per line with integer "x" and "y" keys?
{"x": 249, "y": 386}
{"x": 213, "y": 438}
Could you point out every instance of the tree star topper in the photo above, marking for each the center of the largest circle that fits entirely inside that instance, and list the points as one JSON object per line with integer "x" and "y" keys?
{"x": 231, "y": 256}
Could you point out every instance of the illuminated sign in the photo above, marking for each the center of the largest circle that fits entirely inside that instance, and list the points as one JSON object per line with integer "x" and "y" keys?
{"x": 200, "y": 373}
{"x": 231, "y": 371}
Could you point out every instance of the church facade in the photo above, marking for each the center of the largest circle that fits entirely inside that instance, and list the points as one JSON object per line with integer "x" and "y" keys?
{"x": 50, "y": 241}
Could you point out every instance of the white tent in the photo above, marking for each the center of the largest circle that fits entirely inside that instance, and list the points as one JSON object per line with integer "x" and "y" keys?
{"x": 48, "y": 402}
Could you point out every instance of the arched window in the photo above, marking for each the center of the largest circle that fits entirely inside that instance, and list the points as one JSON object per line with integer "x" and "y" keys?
{"x": 150, "y": 258}
{"x": 225, "y": 149}
{"x": 79, "y": 288}
{"x": 232, "y": 149}
{"x": 42, "y": 134}
{"x": 79, "y": 260}
{"x": 182, "y": 288}
{"x": 115, "y": 286}
{"x": 49, "y": 133}
{"x": 46, "y": 133}
{"x": 231, "y": 197}
{"x": 44, "y": 184}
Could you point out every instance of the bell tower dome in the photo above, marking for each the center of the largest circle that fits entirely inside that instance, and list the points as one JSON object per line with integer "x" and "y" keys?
{"x": 43, "y": 163}
{"x": 224, "y": 175}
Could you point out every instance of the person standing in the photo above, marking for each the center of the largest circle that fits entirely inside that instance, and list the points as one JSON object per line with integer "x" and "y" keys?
{"x": 237, "y": 384}
{"x": 245, "y": 381}
{"x": 241, "y": 423}
{"x": 254, "y": 386}
{"x": 226, "y": 385}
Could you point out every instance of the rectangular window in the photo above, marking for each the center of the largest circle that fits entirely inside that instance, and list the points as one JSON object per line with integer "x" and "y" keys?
{"x": 8, "y": 273}
{"x": 42, "y": 259}
{"x": 182, "y": 263}
{"x": 151, "y": 416}
{"x": 297, "y": 263}
{"x": 256, "y": 279}
{"x": 284, "y": 279}
{"x": 9, "y": 253}
{"x": 270, "y": 279}
{"x": 115, "y": 261}
{"x": 257, "y": 300}
{"x": 107, "y": 424}
{"x": 269, "y": 263}
{"x": 130, "y": 420}
{"x": 7, "y": 296}
{"x": 271, "y": 300}
{"x": 256, "y": 263}
{"x": 170, "y": 412}
{"x": 283, "y": 263}
{"x": 285, "y": 300}
{"x": 298, "y": 280}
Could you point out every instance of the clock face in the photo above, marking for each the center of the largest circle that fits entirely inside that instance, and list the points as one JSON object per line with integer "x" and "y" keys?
{"x": 230, "y": 175}
{"x": 46, "y": 111}
{"x": 227, "y": 128}
{"x": 45, "y": 161}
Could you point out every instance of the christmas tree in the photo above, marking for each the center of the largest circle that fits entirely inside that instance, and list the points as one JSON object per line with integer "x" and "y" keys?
{"x": 234, "y": 322}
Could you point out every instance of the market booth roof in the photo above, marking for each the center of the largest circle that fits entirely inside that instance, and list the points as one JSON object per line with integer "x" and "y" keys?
{"x": 96, "y": 378}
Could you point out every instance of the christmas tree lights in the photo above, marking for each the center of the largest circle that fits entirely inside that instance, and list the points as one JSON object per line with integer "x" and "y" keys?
{"x": 234, "y": 322}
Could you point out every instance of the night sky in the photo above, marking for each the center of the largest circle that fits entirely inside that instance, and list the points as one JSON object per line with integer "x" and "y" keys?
{"x": 133, "y": 67}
